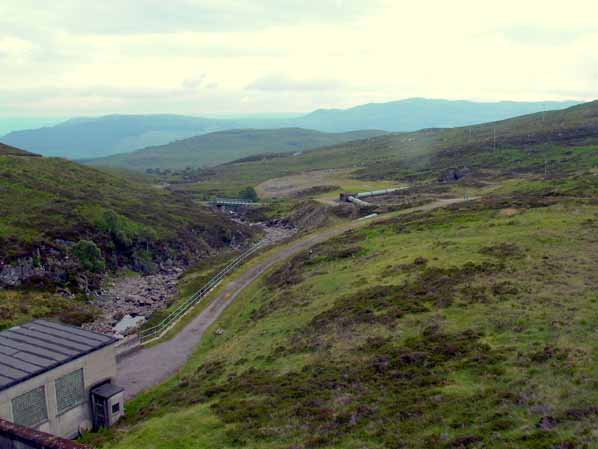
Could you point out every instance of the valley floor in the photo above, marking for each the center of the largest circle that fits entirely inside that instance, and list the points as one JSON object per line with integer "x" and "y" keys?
{"x": 469, "y": 326}
{"x": 150, "y": 366}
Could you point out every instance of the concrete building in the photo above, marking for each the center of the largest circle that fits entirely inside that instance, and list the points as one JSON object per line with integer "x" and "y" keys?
{"x": 49, "y": 375}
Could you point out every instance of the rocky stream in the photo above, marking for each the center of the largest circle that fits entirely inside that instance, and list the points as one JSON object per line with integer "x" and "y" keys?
{"x": 126, "y": 302}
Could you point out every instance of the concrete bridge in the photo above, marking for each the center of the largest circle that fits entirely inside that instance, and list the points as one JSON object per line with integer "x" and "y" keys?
{"x": 232, "y": 202}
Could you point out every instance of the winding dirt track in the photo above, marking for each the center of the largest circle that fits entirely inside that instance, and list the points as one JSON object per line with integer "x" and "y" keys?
{"x": 151, "y": 366}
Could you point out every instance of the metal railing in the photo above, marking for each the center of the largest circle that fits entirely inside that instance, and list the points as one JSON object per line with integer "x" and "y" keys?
{"x": 159, "y": 329}
{"x": 233, "y": 202}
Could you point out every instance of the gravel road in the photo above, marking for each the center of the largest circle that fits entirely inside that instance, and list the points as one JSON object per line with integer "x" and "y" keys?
{"x": 151, "y": 366}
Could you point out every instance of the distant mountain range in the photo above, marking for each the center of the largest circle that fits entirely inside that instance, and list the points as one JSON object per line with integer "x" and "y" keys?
{"x": 103, "y": 136}
{"x": 419, "y": 113}
{"x": 562, "y": 141}
{"x": 108, "y": 135}
{"x": 225, "y": 146}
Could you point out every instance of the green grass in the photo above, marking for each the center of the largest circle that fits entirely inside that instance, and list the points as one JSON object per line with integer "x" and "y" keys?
{"x": 21, "y": 306}
{"x": 67, "y": 201}
{"x": 225, "y": 146}
{"x": 49, "y": 205}
{"x": 464, "y": 327}
{"x": 562, "y": 142}
{"x": 307, "y": 185}
{"x": 194, "y": 279}
{"x": 6, "y": 150}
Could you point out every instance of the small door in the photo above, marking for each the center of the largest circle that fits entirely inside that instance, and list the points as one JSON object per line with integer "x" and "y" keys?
{"x": 101, "y": 418}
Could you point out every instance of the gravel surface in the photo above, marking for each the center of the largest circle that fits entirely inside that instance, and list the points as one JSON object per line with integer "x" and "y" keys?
{"x": 150, "y": 366}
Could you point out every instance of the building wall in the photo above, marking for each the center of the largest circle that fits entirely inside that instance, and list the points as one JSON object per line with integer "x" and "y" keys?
{"x": 98, "y": 367}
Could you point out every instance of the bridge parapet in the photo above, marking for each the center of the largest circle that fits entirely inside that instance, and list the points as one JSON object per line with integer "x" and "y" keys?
{"x": 231, "y": 202}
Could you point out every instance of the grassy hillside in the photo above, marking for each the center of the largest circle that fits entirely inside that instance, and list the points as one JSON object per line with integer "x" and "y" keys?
{"x": 560, "y": 141}
{"x": 94, "y": 137}
{"x": 418, "y": 113}
{"x": 102, "y": 136}
{"x": 225, "y": 146}
{"x": 46, "y": 199}
{"x": 6, "y": 150}
{"x": 64, "y": 225}
{"x": 469, "y": 327}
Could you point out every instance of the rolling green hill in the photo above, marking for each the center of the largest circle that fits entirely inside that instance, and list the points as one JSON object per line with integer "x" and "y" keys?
{"x": 49, "y": 205}
{"x": 466, "y": 327}
{"x": 94, "y": 137}
{"x": 559, "y": 140}
{"x": 225, "y": 146}
{"x": 6, "y": 150}
{"x": 44, "y": 199}
{"x": 414, "y": 114}
{"x": 64, "y": 226}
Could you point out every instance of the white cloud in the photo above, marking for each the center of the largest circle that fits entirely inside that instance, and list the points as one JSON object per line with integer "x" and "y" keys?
{"x": 282, "y": 82}
{"x": 174, "y": 16}
{"x": 238, "y": 56}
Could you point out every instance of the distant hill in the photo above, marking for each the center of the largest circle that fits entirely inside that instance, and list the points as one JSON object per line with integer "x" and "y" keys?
{"x": 420, "y": 113}
{"x": 562, "y": 139}
{"x": 104, "y": 136}
{"x": 224, "y": 146}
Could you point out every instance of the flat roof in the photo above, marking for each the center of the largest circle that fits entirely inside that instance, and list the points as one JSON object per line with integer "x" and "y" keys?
{"x": 106, "y": 391}
{"x": 34, "y": 348}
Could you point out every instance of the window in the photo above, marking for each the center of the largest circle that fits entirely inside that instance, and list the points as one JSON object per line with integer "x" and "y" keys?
{"x": 30, "y": 409}
{"x": 70, "y": 391}
{"x": 115, "y": 408}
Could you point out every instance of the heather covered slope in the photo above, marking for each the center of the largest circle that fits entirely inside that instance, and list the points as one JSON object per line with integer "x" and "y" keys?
{"x": 94, "y": 137}
{"x": 50, "y": 204}
{"x": 6, "y": 150}
{"x": 472, "y": 326}
{"x": 65, "y": 227}
{"x": 562, "y": 140}
{"x": 225, "y": 146}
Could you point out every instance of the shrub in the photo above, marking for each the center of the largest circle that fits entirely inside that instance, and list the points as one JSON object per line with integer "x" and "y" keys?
{"x": 248, "y": 193}
{"x": 89, "y": 255}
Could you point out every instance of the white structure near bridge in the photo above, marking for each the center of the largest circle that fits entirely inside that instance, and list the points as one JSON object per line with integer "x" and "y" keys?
{"x": 357, "y": 198}
{"x": 58, "y": 379}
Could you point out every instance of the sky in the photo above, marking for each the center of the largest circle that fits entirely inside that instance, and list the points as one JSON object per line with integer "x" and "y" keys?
{"x": 229, "y": 57}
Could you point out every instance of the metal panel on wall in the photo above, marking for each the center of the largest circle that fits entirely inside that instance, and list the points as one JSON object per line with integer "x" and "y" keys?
{"x": 30, "y": 409}
{"x": 70, "y": 390}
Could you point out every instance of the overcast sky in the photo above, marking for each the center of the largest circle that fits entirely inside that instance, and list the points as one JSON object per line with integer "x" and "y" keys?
{"x": 207, "y": 57}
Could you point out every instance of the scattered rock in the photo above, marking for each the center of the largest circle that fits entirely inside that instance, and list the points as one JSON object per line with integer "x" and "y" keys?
{"x": 133, "y": 295}
{"x": 142, "y": 295}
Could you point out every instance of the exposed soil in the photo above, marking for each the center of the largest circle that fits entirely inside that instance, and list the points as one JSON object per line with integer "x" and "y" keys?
{"x": 139, "y": 295}
{"x": 150, "y": 366}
